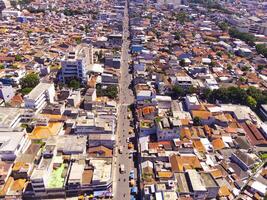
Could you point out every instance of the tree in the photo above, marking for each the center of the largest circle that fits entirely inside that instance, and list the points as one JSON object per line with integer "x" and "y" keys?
{"x": 229, "y": 66}
{"x": 177, "y": 36}
{"x": 219, "y": 53}
{"x": 182, "y": 17}
{"x": 261, "y": 67}
{"x": 245, "y": 68}
{"x": 242, "y": 79}
{"x": 251, "y": 102}
{"x": 25, "y": 91}
{"x": 192, "y": 90}
{"x": 30, "y": 80}
{"x": 247, "y": 37}
{"x": 178, "y": 90}
{"x": 206, "y": 93}
{"x": 262, "y": 49}
{"x": 74, "y": 84}
{"x": 223, "y": 26}
{"x": 182, "y": 62}
{"x": 197, "y": 121}
{"x": 112, "y": 91}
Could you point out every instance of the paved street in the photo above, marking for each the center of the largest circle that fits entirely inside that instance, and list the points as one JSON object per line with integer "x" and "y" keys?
{"x": 121, "y": 180}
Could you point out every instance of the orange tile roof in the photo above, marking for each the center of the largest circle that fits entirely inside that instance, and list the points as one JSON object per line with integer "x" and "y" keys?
{"x": 104, "y": 151}
{"x": 179, "y": 163}
{"x": 185, "y": 122}
{"x": 4, "y": 190}
{"x": 201, "y": 114}
{"x": 224, "y": 191}
{"x": 199, "y": 146}
{"x": 216, "y": 173}
{"x": 185, "y": 133}
{"x": 44, "y": 132}
{"x": 217, "y": 144}
{"x": 165, "y": 174}
{"x": 18, "y": 165}
{"x": 18, "y": 185}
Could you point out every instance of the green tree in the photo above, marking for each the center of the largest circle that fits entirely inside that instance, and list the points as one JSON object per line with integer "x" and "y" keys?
{"x": 182, "y": 62}
{"x": 207, "y": 93}
{"x": 261, "y": 67}
{"x": 197, "y": 121}
{"x": 219, "y": 53}
{"x": 247, "y": 37}
{"x": 242, "y": 79}
{"x": 25, "y": 91}
{"x": 74, "y": 84}
{"x": 192, "y": 90}
{"x": 182, "y": 17}
{"x": 177, "y": 36}
{"x": 223, "y": 26}
{"x": 262, "y": 49}
{"x": 30, "y": 80}
{"x": 251, "y": 102}
{"x": 112, "y": 91}
{"x": 178, "y": 91}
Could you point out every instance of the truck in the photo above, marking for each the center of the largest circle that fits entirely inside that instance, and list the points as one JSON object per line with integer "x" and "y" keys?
{"x": 122, "y": 168}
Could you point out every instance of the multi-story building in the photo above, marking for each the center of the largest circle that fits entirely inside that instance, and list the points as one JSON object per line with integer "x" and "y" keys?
{"x": 39, "y": 96}
{"x": 75, "y": 63}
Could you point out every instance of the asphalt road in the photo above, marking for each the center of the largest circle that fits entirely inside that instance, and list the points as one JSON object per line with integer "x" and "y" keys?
{"x": 121, "y": 189}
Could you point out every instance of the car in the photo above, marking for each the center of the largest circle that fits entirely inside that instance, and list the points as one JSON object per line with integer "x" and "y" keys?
{"x": 130, "y": 146}
{"x": 122, "y": 168}
{"x": 120, "y": 149}
{"x": 134, "y": 190}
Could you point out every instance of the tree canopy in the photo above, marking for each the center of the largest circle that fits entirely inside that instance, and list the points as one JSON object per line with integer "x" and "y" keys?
{"x": 110, "y": 91}
{"x": 74, "y": 84}
{"x": 262, "y": 49}
{"x": 30, "y": 80}
{"x": 247, "y": 37}
{"x": 251, "y": 97}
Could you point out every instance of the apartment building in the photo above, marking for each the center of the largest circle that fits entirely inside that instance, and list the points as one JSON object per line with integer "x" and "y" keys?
{"x": 39, "y": 96}
{"x": 75, "y": 63}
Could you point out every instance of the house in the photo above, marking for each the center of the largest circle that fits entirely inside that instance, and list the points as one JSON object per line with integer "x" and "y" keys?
{"x": 6, "y": 92}
{"x": 74, "y": 98}
{"x": 163, "y": 102}
{"x": 263, "y": 110}
{"x": 167, "y": 129}
{"x": 12, "y": 143}
{"x": 192, "y": 102}
{"x": 199, "y": 190}
{"x": 210, "y": 184}
{"x": 183, "y": 162}
{"x": 242, "y": 159}
{"x": 204, "y": 116}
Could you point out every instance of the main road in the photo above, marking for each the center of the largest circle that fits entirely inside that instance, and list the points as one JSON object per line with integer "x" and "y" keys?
{"x": 121, "y": 189}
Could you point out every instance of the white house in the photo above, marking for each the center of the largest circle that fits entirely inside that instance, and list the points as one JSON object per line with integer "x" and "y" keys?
{"x": 12, "y": 143}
